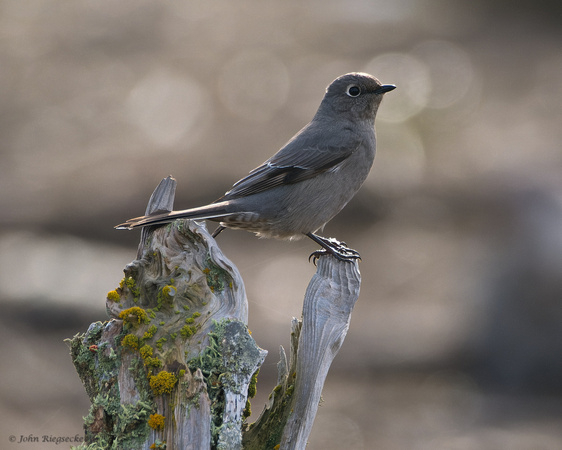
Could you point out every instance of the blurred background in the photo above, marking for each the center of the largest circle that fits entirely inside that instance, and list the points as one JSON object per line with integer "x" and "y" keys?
{"x": 456, "y": 340}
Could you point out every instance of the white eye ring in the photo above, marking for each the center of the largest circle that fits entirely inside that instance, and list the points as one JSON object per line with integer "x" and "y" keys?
{"x": 353, "y": 90}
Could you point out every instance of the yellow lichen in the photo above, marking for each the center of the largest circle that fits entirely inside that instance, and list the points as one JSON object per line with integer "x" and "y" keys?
{"x": 156, "y": 421}
{"x": 130, "y": 284}
{"x": 146, "y": 351}
{"x": 134, "y": 316}
{"x": 194, "y": 316}
{"x": 149, "y": 334}
{"x": 149, "y": 361}
{"x": 163, "y": 383}
{"x": 130, "y": 340}
{"x": 188, "y": 330}
{"x": 113, "y": 296}
{"x": 168, "y": 292}
{"x": 160, "y": 343}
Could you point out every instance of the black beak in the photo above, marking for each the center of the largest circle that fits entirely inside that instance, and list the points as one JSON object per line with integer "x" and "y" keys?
{"x": 384, "y": 88}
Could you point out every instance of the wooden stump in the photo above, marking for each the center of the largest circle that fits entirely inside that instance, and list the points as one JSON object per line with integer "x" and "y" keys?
{"x": 175, "y": 365}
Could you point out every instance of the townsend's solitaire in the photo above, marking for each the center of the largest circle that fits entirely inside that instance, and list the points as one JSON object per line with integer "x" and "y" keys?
{"x": 306, "y": 183}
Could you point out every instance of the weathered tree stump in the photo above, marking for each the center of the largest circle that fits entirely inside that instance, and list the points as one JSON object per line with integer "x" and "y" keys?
{"x": 315, "y": 341}
{"x": 175, "y": 365}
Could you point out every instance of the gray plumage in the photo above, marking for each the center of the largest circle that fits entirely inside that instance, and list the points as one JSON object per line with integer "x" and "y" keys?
{"x": 306, "y": 183}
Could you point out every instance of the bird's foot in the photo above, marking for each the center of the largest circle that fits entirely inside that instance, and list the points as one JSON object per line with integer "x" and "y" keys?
{"x": 331, "y": 246}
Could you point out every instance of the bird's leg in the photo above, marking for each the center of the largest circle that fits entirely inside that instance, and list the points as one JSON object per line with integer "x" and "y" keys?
{"x": 217, "y": 231}
{"x": 333, "y": 247}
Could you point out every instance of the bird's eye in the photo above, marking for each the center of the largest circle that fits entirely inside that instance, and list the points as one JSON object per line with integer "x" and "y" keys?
{"x": 353, "y": 91}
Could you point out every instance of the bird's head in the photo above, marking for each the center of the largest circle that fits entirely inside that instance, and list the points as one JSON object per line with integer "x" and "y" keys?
{"x": 355, "y": 94}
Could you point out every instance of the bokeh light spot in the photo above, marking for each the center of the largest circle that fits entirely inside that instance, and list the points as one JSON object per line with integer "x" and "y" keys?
{"x": 411, "y": 76}
{"x": 451, "y": 71}
{"x": 254, "y": 85}
{"x": 166, "y": 107}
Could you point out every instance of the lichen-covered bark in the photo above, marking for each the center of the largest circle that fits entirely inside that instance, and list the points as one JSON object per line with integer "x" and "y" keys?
{"x": 173, "y": 365}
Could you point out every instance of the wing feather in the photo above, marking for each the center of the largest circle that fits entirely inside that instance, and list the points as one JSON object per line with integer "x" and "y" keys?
{"x": 294, "y": 163}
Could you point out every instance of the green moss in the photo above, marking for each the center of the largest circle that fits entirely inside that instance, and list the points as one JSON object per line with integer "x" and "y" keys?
{"x": 110, "y": 424}
{"x": 267, "y": 432}
{"x": 217, "y": 278}
{"x": 247, "y": 410}
{"x": 125, "y": 426}
{"x": 252, "y": 387}
{"x": 210, "y": 361}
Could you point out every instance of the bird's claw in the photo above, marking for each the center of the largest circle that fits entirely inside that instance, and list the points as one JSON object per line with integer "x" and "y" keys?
{"x": 337, "y": 249}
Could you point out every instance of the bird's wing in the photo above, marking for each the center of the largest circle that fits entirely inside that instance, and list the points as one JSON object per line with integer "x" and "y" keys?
{"x": 293, "y": 163}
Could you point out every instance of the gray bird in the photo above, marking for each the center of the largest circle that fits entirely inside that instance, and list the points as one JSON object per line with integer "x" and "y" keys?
{"x": 306, "y": 183}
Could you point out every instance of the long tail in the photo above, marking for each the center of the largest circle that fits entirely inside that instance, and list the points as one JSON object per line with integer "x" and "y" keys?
{"x": 212, "y": 211}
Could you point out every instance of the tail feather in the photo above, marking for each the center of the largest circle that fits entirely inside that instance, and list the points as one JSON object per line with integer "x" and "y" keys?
{"x": 212, "y": 211}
